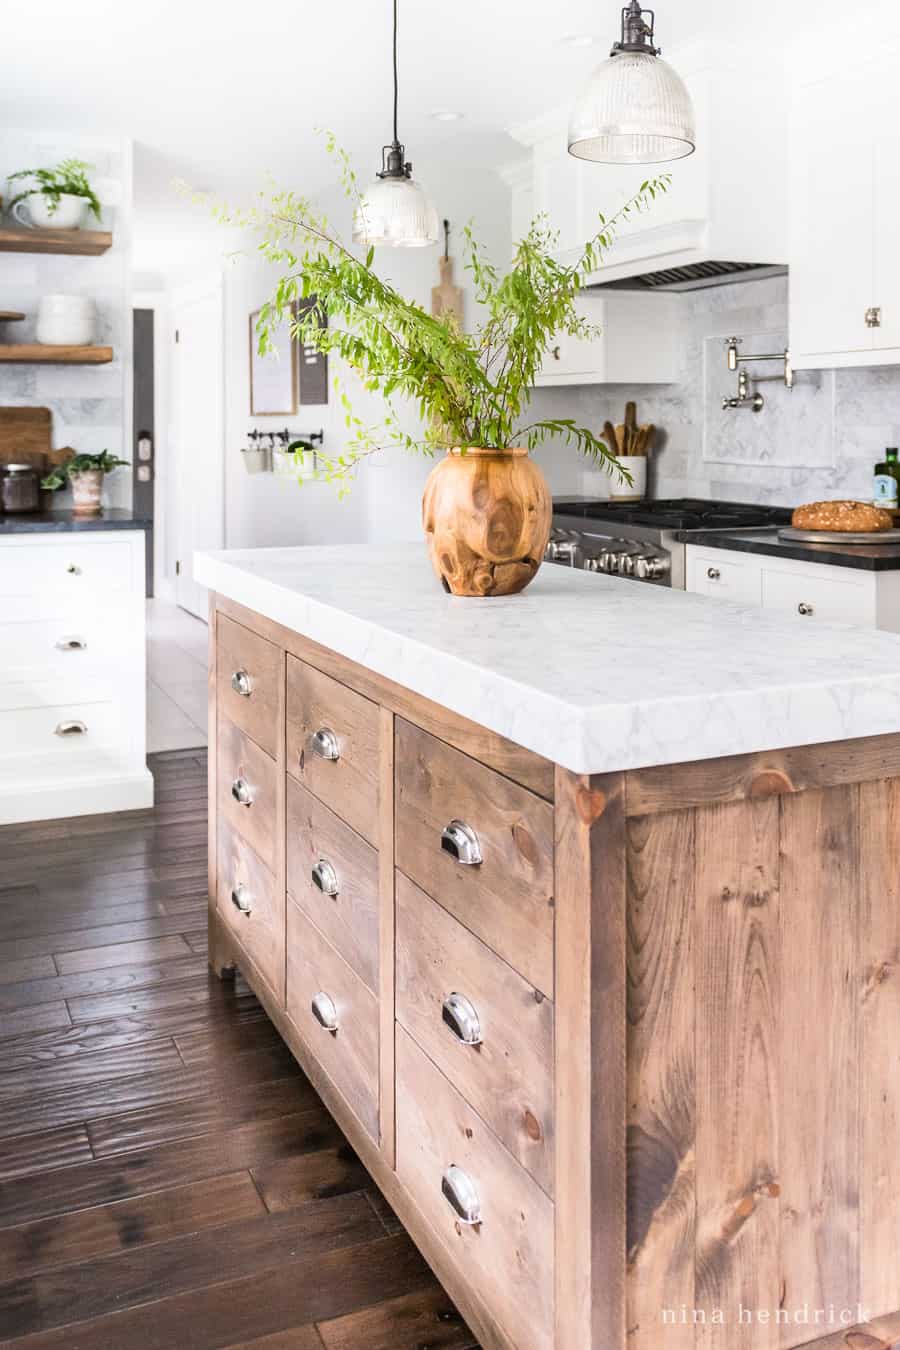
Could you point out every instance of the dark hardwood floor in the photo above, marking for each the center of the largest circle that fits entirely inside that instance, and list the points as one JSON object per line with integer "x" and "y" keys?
{"x": 169, "y": 1180}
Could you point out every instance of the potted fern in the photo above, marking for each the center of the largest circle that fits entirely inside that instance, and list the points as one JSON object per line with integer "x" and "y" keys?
{"x": 85, "y": 474}
{"x": 57, "y": 198}
{"x": 486, "y": 507}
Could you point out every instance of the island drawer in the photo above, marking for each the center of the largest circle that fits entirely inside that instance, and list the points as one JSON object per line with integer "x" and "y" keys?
{"x": 251, "y": 906}
{"x": 332, "y": 745}
{"x": 332, "y": 874}
{"x": 485, "y": 1027}
{"x": 448, "y": 806}
{"x": 247, "y": 779}
{"x": 494, "y": 1222}
{"x": 335, "y": 1014}
{"x": 248, "y": 675}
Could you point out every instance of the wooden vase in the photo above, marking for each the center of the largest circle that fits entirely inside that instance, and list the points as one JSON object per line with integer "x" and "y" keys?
{"x": 486, "y": 515}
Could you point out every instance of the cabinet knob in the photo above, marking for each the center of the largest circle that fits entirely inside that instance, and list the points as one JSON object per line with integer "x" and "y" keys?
{"x": 873, "y": 317}
{"x": 462, "y": 1019}
{"x": 805, "y": 609}
{"x": 713, "y": 573}
{"x": 556, "y": 354}
{"x": 241, "y": 683}
{"x": 459, "y": 1191}
{"x": 73, "y": 570}
{"x": 325, "y": 744}
{"x": 325, "y": 877}
{"x": 242, "y": 792}
{"x": 242, "y": 899}
{"x": 71, "y": 728}
{"x": 71, "y": 644}
{"x": 461, "y": 842}
{"x": 325, "y": 1013}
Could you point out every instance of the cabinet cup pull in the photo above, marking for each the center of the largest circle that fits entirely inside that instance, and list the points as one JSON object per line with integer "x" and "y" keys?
{"x": 325, "y": 877}
{"x": 556, "y": 354}
{"x": 242, "y": 792}
{"x": 713, "y": 573}
{"x": 241, "y": 683}
{"x": 71, "y": 644}
{"x": 325, "y": 1013}
{"x": 805, "y": 609}
{"x": 461, "y": 842}
{"x": 242, "y": 899}
{"x": 74, "y": 570}
{"x": 71, "y": 728}
{"x": 325, "y": 744}
{"x": 462, "y": 1019}
{"x": 459, "y": 1191}
{"x": 873, "y": 317}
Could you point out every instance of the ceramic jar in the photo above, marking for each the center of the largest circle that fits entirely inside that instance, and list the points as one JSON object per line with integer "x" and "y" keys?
{"x": 66, "y": 321}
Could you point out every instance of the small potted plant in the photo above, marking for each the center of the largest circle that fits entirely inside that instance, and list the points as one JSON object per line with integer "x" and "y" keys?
{"x": 85, "y": 473}
{"x": 56, "y": 198}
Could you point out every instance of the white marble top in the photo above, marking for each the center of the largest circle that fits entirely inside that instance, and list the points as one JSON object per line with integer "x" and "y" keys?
{"x": 596, "y": 673}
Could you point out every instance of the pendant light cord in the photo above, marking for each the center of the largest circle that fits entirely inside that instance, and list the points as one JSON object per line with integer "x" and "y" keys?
{"x": 396, "y": 138}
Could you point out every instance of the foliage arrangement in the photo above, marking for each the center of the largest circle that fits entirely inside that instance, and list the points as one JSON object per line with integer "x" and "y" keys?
{"x": 58, "y": 478}
{"x": 69, "y": 178}
{"x": 470, "y": 389}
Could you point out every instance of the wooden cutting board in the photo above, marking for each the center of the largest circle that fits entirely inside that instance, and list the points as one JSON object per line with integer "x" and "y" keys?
{"x": 25, "y": 436}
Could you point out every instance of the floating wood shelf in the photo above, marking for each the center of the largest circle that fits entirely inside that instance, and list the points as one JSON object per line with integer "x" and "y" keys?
{"x": 85, "y": 243}
{"x": 10, "y": 316}
{"x": 35, "y": 353}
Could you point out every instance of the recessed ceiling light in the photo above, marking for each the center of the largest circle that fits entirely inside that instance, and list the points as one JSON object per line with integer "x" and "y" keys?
{"x": 445, "y": 115}
{"x": 578, "y": 40}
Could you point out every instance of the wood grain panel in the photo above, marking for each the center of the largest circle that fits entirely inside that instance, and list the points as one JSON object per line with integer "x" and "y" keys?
{"x": 820, "y": 1047}
{"x": 508, "y": 1078}
{"x": 238, "y": 649}
{"x": 422, "y": 1321}
{"x": 148, "y": 951}
{"x": 44, "y": 1151}
{"x": 661, "y": 1079}
{"x": 349, "y": 784}
{"x": 386, "y": 936}
{"x": 285, "y": 1183}
{"x": 738, "y": 1033}
{"x": 349, "y": 919}
{"x": 507, "y": 901}
{"x": 261, "y": 931}
{"x": 240, "y": 757}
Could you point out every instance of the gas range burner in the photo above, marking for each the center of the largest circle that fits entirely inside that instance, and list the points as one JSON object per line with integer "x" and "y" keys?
{"x": 679, "y": 513}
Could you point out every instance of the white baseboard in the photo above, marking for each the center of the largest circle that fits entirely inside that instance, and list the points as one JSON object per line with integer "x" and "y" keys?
{"x": 52, "y": 801}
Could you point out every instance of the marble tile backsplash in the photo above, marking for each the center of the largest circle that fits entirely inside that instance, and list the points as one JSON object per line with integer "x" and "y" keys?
{"x": 822, "y": 439}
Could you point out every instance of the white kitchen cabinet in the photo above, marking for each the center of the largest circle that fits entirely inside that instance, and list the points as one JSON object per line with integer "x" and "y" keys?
{"x": 809, "y": 591}
{"x": 639, "y": 343}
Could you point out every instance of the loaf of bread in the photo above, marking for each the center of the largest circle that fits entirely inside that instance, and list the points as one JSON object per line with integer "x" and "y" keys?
{"x": 842, "y": 517}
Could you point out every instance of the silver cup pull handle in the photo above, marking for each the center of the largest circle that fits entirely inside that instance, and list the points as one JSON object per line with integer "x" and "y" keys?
{"x": 71, "y": 728}
{"x": 461, "y": 842}
{"x": 242, "y": 792}
{"x": 462, "y": 1019}
{"x": 74, "y": 570}
{"x": 324, "y": 1011}
{"x": 325, "y": 877}
{"x": 459, "y": 1191}
{"x": 325, "y": 744}
{"x": 242, "y": 899}
{"x": 241, "y": 683}
{"x": 71, "y": 644}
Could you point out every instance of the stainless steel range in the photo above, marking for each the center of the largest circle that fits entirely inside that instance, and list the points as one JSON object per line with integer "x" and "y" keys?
{"x": 644, "y": 540}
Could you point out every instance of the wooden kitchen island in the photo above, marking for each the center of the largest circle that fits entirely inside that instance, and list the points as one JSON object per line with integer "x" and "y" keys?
{"x": 581, "y": 910}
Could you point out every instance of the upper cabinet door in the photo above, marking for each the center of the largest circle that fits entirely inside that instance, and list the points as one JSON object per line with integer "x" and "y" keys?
{"x": 886, "y": 289}
{"x": 557, "y": 192}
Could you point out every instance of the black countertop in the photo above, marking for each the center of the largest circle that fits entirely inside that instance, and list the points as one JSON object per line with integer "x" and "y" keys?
{"x": 867, "y": 557}
{"x": 57, "y": 522}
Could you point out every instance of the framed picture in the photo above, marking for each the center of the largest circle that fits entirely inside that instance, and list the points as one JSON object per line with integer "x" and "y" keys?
{"x": 273, "y": 377}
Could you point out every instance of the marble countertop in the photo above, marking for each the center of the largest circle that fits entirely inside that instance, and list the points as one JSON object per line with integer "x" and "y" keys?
{"x": 54, "y": 522}
{"x": 596, "y": 673}
{"x": 864, "y": 557}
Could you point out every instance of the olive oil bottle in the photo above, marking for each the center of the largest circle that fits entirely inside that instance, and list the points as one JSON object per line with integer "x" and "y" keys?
{"x": 886, "y": 483}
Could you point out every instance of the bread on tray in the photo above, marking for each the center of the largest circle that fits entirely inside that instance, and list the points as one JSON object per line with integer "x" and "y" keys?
{"x": 842, "y": 517}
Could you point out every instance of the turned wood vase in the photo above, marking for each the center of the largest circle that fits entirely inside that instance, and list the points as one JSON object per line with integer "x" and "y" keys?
{"x": 487, "y": 516}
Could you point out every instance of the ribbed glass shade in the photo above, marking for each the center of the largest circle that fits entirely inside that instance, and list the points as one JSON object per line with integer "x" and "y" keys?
{"x": 395, "y": 212}
{"x": 635, "y": 110}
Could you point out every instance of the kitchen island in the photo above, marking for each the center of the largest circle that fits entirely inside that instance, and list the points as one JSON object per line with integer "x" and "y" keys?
{"x": 580, "y": 909}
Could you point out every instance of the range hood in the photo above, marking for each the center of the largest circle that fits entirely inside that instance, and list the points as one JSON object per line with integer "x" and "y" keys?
{"x": 695, "y": 276}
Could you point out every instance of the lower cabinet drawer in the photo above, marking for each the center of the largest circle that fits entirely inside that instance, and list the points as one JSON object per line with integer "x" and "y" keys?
{"x": 495, "y": 1223}
{"x": 247, "y": 779}
{"x": 336, "y": 1015}
{"x": 451, "y": 987}
{"x": 829, "y": 598}
{"x": 249, "y": 672}
{"x": 711, "y": 573}
{"x": 64, "y": 739}
{"x": 250, "y": 906}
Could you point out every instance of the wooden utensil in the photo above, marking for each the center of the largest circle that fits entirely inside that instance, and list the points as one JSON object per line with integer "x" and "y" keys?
{"x": 630, "y": 427}
{"x": 609, "y": 435}
{"x": 447, "y": 298}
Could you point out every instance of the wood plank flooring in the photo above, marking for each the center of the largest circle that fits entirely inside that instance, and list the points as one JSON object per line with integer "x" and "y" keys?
{"x": 169, "y": 1180}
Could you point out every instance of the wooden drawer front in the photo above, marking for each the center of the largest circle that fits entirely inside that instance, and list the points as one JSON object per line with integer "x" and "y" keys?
{"x": 507, "y": 899}
{"x": 349, "y": 1055}
{"x": 246, "y": 790}
{"x": 243, "y": 876}
{"x": 319, "y": 841}
{"x": 256, "y": 664}
{"x": 348, "y": 784}
{"x": 507, "y": 1258}
{"x": 507, "y": 1076}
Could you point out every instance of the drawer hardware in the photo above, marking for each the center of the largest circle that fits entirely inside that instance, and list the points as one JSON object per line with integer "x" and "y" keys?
{"x": 459, "y": 1191}
{"x": 713, "y": 573}
{"x": 325, "y": 877}
{"x": 325, "y": 1012}
{"x": 73, "y": 570}
{"x": 242, "y": 792}
{"x": 805, "y": 609}
{"x": 241, "y": 683}
{"x": 71, "y": 644}
{"x": 462, "y": 1019}
{"x": 71, "y": 728}
{"x": 873, "y": 317}
{"x": 242, "y": 899}
{"x": 556, "y": 354}
{"x": 461, "y": 842}
{"x": 325, "y": 744}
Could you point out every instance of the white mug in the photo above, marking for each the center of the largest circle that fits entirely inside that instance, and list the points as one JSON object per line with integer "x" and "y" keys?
{"x": 68, "y": 215}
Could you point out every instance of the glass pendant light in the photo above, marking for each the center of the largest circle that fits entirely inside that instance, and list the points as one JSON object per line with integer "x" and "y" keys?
{"x": 636, "y": 108}
{"x": 394, "y": 210}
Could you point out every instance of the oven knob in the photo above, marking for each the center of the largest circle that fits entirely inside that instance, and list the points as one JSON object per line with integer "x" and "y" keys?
{"x": 606, "y": 561}
{"x": 651, "y": 568}
{"x": 626, "y": 564}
